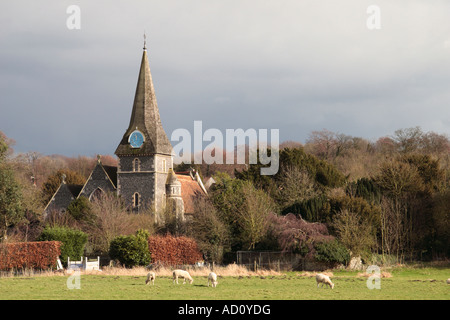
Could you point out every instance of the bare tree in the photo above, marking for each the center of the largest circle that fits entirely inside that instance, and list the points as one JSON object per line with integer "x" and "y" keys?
{"x": 322, "y": 144}
{"x": 355, "y": 232}
{"x": 400, "y": 181}
{"x": 408, "y": 140}
{"x": 295, "y": 184}
{"x": 253, "y": 214}
{"x": 393, "y": 229}
{"x": 112, "y": 220}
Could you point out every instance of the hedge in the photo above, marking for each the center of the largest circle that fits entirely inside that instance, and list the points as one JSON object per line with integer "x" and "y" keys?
{"x": 332, "y": 251}
{"x": 73, "y": 241}
{"x": 29, "y": 255}
{"x": 174, "y": 250}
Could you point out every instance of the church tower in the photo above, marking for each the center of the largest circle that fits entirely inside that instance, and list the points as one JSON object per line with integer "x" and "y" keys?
{"x": 145, "y": 152}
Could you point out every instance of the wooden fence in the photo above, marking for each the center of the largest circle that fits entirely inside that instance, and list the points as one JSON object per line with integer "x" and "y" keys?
{"x": 275, "y": 260}
{"x": 278, "y": 260}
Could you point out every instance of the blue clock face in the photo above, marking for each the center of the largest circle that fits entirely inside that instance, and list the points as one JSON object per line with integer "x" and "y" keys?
{"x": 136, "y": 139}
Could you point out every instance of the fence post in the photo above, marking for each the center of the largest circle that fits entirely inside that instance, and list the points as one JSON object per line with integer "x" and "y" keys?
{"x": 259, "y": 262}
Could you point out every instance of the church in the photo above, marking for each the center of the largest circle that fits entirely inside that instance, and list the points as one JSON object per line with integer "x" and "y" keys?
{"x": 144, "y": 178}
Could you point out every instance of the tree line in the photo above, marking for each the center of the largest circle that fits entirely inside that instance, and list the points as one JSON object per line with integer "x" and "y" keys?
{"x": 335, "y": 196}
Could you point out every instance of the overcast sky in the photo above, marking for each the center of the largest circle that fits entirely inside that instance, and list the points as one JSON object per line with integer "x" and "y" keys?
{"x": 296, "y": 66}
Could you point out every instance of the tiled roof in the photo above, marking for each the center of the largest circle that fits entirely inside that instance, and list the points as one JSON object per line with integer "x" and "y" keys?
{"x": 189, "y": 190}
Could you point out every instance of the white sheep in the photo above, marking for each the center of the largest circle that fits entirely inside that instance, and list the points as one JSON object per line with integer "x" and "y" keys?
{"x": 212, "y": 278}
{"x": 323, "y": 279}
{"x": 150, "y": 277}
{"x": 448, "y": 281}
{"x": 183, "y": 274}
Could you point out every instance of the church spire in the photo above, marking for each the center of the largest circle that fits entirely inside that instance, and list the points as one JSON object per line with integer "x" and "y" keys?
{"x": 145, "y": 47}
{"x": 145, "y": 117}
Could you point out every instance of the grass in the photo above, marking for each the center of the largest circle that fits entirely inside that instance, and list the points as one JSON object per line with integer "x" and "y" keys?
{"x": 235, "y": 283}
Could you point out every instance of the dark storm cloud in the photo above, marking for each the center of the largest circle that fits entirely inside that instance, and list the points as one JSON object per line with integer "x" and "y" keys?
{"x": 297, "y": 66}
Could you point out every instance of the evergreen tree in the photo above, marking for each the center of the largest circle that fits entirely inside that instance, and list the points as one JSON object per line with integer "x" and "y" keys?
{"x": 11, "y": 211}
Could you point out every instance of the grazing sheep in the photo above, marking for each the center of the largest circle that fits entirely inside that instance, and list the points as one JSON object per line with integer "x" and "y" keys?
{"x": 448, "y": 281}
{"x": 212, "y": 277}
{"x": 183, "y": 274}
{"x": 323, "y": 279}
{"x": 150, "y": 277}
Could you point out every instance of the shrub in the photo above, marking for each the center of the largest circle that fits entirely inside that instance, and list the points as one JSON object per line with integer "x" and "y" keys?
{"x": 332, "y": 251}
{"x": 316, "y": 209}
{"x": 297, "y": 235}
{"x": 73, "y": 241}
{"x": 80, "y": 209}
{"x": 131, "y": 250}
{"x": 33, "y": 255}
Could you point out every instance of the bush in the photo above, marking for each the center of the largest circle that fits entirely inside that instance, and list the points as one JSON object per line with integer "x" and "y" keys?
{"x": 32, "y": 255}
{"x": 80, "y": 209}
{"x": 297, "y": 235}
{"x": 332, "y": 251}
{"x": 73, "y": 241}
{"x": 316, "y": 209}
{"x": 131, "y": 250}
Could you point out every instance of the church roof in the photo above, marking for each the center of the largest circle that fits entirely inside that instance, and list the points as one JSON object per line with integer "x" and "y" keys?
{"x": 75, "y": 189}
{"x": 63, "y": 196}
{"x": 102, "y": 176}
{"x": 190, "y": 189}
{"x": 111, "y": 171}
{"x": 145, "y": 118}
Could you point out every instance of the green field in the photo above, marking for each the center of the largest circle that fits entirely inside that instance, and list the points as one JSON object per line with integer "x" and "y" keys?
{"x": 405, "y": 284}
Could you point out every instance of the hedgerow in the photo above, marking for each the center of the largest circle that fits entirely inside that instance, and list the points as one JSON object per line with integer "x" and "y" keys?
{"x": 29, "y": 255}
{"x": 174, "y": 250}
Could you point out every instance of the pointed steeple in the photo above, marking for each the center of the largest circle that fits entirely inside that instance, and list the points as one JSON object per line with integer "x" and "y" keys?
{"x": 145, "y": 118}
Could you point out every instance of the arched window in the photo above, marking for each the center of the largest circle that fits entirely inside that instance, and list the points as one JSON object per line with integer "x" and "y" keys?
{"x": 96, "y": 194}
{"x": 136, "y": 165}
{"x": 136, "y": 200}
